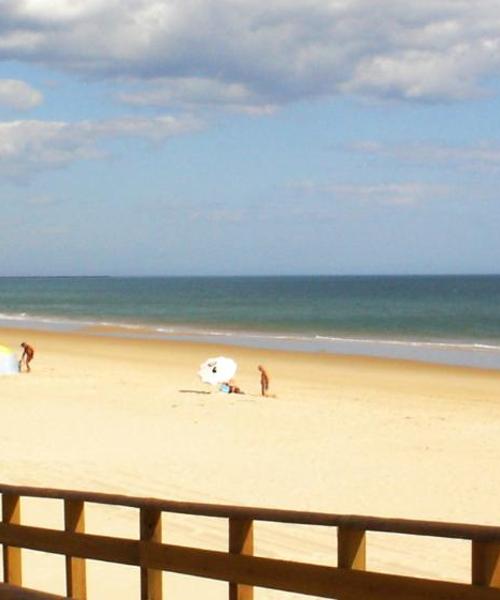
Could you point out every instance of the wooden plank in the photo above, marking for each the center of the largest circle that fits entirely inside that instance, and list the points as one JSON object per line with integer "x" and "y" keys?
{"x": 351, "y": 551}
{"x": 150, "y": 531}
{"x": 82, "y": 545}
{"x": 11, "y": 592}
{"x": 240, "y": 542}
{"x": 312, "y": 580}
{"x": 74, "y": 522}
{"x": 404, "y": 526}
{"x": 486, "y": 564}
{"x": 11, "y": 514}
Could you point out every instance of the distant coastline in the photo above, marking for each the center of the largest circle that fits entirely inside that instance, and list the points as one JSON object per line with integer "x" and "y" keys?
{"x": 256, "y": 276}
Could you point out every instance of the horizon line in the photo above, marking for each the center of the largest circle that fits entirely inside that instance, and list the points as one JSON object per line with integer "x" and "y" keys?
{"x": 250, "y": 275}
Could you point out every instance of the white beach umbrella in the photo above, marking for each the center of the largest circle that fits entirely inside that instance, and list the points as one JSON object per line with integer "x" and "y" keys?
{"x": 8, "y": 361}
{"x": 217, "y": 370}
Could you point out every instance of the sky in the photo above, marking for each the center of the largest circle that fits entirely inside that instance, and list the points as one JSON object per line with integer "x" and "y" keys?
{"x": 225, "y": 137}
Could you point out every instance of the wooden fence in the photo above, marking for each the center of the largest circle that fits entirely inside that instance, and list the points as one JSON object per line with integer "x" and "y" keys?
{"x": 243, "y": 571}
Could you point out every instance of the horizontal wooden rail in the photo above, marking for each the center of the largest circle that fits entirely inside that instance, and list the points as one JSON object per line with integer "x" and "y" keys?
{"x": 289, "y": 576}
{"x": 484, "y": 533}
{"x": 82, "y": 545}
{"x": 243, "y": 571}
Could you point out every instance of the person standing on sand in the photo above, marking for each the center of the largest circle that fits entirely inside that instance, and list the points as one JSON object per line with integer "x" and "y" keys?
{"x": 27, "y": 357}
{"x": 264, "y": 380}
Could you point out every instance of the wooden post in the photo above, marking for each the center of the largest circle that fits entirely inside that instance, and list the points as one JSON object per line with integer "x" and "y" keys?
{"x": 74, "y": 522}
{"x": 486, "y": 564}
{"x": 351, "y": 553}
{"x": 151, "y": 579}
{"x": 240, "y": 542}
{"x": 11, "y": 513}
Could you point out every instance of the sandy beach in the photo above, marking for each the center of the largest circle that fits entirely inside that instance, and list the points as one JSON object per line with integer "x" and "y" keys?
{"x": 343, "y": 434}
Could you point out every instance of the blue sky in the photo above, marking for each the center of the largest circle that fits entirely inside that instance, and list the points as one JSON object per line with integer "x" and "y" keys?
{"x": 247, "y": 137}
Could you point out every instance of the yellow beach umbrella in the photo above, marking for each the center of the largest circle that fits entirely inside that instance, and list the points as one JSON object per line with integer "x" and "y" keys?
{"x": 8, "y": 361}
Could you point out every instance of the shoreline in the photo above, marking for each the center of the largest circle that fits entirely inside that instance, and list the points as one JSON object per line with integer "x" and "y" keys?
{"x": 466, "y": 353}
{"x": 202, "y": 349}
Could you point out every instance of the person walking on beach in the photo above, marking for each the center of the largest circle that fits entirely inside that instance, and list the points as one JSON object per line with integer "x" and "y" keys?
{"x": 27, "y": 357}
{"x": 264, "y": 380}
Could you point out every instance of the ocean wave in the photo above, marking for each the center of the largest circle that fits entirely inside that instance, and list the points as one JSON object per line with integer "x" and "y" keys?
{"x": 187, "y": 331}
{"x": 24, "y": 317}
{"x": 413, "y": 343}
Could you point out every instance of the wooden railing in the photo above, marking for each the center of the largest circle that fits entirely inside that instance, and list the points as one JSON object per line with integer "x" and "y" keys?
{"x": 349, "y": 580}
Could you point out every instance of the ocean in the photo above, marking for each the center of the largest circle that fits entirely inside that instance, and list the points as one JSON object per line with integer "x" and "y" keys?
{"x": 442, "y": 319}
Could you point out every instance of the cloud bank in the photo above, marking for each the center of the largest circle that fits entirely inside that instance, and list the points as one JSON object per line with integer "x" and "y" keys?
{"x": 255, "y": 55}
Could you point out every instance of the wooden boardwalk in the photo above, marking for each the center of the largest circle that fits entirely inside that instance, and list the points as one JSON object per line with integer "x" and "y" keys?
{"x": 347, "y": 580}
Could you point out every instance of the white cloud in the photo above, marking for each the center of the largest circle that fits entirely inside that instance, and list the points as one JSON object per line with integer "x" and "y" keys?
{"x": 481, "y": 155}
{"x": 43, "y": 143}
{"x": 34, "y": 145}
{"x": 41, "y": 201}
{"x": 61, "y": 11}
{"x": 18, "y": 94}
{"x": 156, "y": 129}
{"x": 195, "y": 92}
{"x": 406, "y": 193}
{"x": 217, "y": 215}
{"x": 413, "y": 75}
{"x": 256, "y": 54}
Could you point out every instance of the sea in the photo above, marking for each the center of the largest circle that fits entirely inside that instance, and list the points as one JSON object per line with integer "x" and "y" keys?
{"x": 438, "y": 319}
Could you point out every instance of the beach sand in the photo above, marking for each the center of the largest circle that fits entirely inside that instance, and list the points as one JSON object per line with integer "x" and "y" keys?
{"x": 344, "y": 434}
